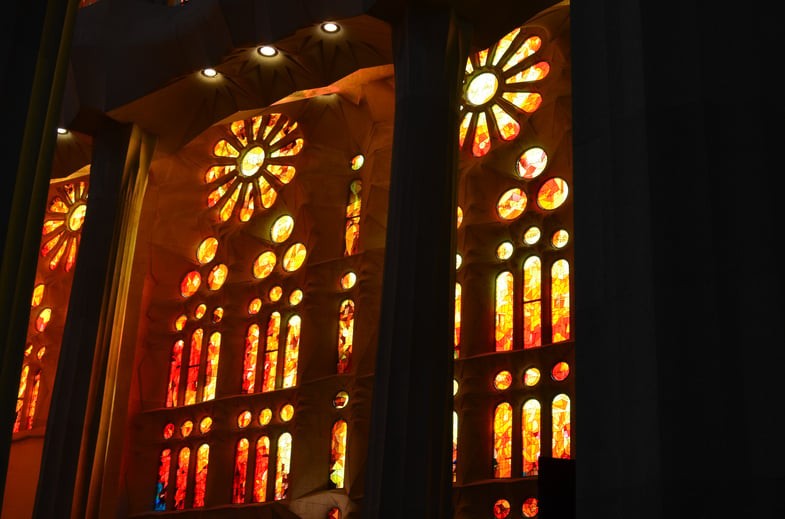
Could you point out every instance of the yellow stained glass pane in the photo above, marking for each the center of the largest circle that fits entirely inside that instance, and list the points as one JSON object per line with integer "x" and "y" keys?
{"x": 458, "y": 261}
{"x": 47, "y": 247}
{"x": 254, "y": 306}
{"x": 271, "y": 352}
{"x": 270, "y": 125}
{"x": 526, "y": 101}
{"x": 181, "y": 478}
{"x": 482, "y": 138}
{"x": 504, "y": 44}
{"x": 38, "y": 295}
{"x": 238, "y": 129}
{"x": 504, "y": 312}
{"x": 460, "y": 218}
{"x": 240, "y": 471}
{"x": 357, "y": 162}
{"x": 70, "y": 258}
{"x": 200, "y": 479}
{"x": 265, "y": 416}
{"x": 531, "y": 376}
{"x": 507, "y": 126}
{"x": 43, "y": 319}
{"x": 205, "y": 425}
{"x": 217, "y": 276}
{"x": 457, "y": 337}
{"x": 223, "y": 148}
{"x": 454, "y": 444}
{"x": 534, "y": 73}
{"x": 218, "y": 314}
{"x": 560, "y": 371}
{"x": 345, "y": 336}
{"x": 216, "y": 194}
{"x": 186, "y": 428}
{"x": 469, "y": 67}
{"x": 247, "y": 207}
{"x": 267, "y": 193}
{"x": 179, "y": 323}
{"x": 340, "y": 399}
{"x": 511, "y": 204}
{"x": 292, "y": 351}
{"x": 57, "y": 205}
{"x": 264, "y": 264}
{"x": 501, "y": 509}
{"x": 216, "y": 172}
{"x": 50, "y": 225}
{"x": 256, "y": 123}
{"x": 296, "y": 297}
{"x": 532, "y": 235}
{"x": 76, "y": 218}
{"x": 530, "y": 507}
{"x": 275, "y": 294}
{"x": 527, "y": 48}
{"x": 532, "y": 307}
{"x": 291, "y": 149}
{"x": 283, "y": 173}
{"x": 228, "y": 207}
{"x": 482, "y": 88}
{"x": 482, "y": 57}
{"x": 560, "y": 301}
{"x": 531, "y": 437}
{"x": 285, "y": 130}
{"x": 211, "y": 370}
{"x": 200, "y": 311}
{"x": 243, "y": 419}
{"x": 504, "y": 250}
{"x": 282, "y": 228}
{"x": 205, "y": 253}
{"x": 294, "y": 257}
{"x": 252, "y": 160}
{"x": 502, "y": 441}
{"x": 560, "y": 419}
{"x": 283, "y": 466}
{"x": 338, "y": 454}
{"x": 531, "y": 163}
{"x": 287, "y": 412}
{"x": 348, "y": 280}
{"x": 467, "y": 119}
{"x": 261, "y": 470}
{"x": 57, "y": 255}
{"x": 560, "y": 238}
{"x": 249, "y": 361}
{"x": 552, "y": 193}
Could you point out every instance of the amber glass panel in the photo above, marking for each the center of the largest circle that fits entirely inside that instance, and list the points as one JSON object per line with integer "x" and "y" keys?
{"x": 211, "y": 370}
{"x": 511, "y": 204}
{"x": 334, "y": 513}
{"x": 504, "y": 250}
{"x": 200, "y": 311}
{"x": 357, "y": 162}
{"x": 205, "y": 253}
{"x": 254, "y": 306}
{"x": 531, "y": 163}
{"x": 502, "y": 441}
{"x": 454, "y": 445}
{"x": 38, "y": 295}
{"x": 531, "y": 377}
{"x": 457, "y": 338}
{"x": 249, "y": 362}
{"x": 482, "y": 137}
{"x": 527, "y": 48}
{"x": 43, "y": 319}
{"x": 282, "y": 229}
{"x": 560, "y": 238}
{"x": 20, "y": 397}
{"x": 503, "y": 45}
{"x": 179, "y": 323}
{"x": 205, "y": 425}
{"x": 271, "y": 352}
{"x": 174, "y": 373}
{"x": 552, "y": 193}
{"x": 531, "y": 437}
{"x": 352, "y": 233}
{"x": 186, "y": 428}
{"x": 532, "y": 304}
{"x": 162, "y": 484}
{"x": 560, "y": 411}
{"x": 526, "y": 101}
{"x": 560, "y": 300}
{"x": 200, "y": 483}
{"x": 217, "y": 276}
{"x": 264, "y": 264}
{"x": 338, "y": 455}
{"x": 287, "y": 412}
{"x": 507, "y": 126}
{"x": 504, "y": 303}
{"x": 260, "y": 471}
{"x": 348, "y": 280}
{"x": 190, "y": 284}
{"x": 345, "y": 336}
{"x": 33, "y": 404}
{"x": 292, "y": 352}
{"x": 560, "y": 371}
{"x": 534, "y": 73}
{"x": 530, "y": 507}
{"x": 181, "y": 479}
{"x": 501, "y": 509}
{"x": 244, "y": 419}
{"x": 192, "y": 382}
{"x": 340, "y": 399}
{"x": 294, "y": 257}
{"x": 283, "y": 466}
{"x": 502, "y": 380}
{"x": 275, "y": 294}
{"x": 240, "y": 471}
{"x": 265, "y": 415}
{"x": 296, "y": 297}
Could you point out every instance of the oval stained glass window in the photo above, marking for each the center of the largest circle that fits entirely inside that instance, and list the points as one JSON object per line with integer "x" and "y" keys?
{"x": 254, "y": 306}
{"x": 458, "y": 261}
{"x": 264, "y": 264}
{"x": 190, "y": 284}
{"x": 168, "y": 430}
{"x": 243, "y": 419}
{"x": 504, "y": 250}
{"x": 218, "y": 314}
{"x": 296, "y": 297}
{"x": 275, "y": 294}
{"x": 530, "y": 507}
{"x": 348, "y": 280}
{"x": 205, "y": 425}
{"x": 552, "y": 193}
{"x": 460, "y": 218}
{"x": 217, "y": 276}
{"x": 482, "y": 88}
{"x": 532, "y": 235}
{"x": 531, "y": 163}
{"x": 511, "y": 204}
{"x": 560, "y": 371}
{"x": 200, "y": 310}
{"x": 357, "y": 162}
{"x": 265, "y": 416}
{"x": 560, "y": 238}
{"x": 38, "y": 295}
{"x": 501, "y": 509}
{"x": 294, "y": 257}
{"x": 186, "y": 428}
{"x": 205, "y": 252}
{"x": 179, "y": 323}
{"x": 76, "y": 218}
{"x": 282, "y": 229}
{"x": 43, "y": 319}
{"x": 340, "y": 399}
{"x": 531, "y": 377}
{"x": 502, "y": 380}
{"x": 252, "y": 160}
{"x": 287, "y": 412}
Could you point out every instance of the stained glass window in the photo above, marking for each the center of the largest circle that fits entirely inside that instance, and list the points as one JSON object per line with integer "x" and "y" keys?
{"x": 271, "y": 352}
{"x": 200, "y": 483}
{"x": 560, "y": 416}
{"x": 240, "y": 471}
{"x": 353, "y": 206}
{"x": 211, "y": 372}
{"x": 261, "y": 468}
{"x": 532, "y": 304}
{"x": 292, "y": 351}
{"x": 457, "y": 338}
{"x": 454, "y": 446}
{"x": 194, "y": 358}
{"x": 174, "y": 373}
{"x": 63, "y": 222}
{"x": 249, "y": 362}
{"x": 531, "y": 437}
{"x": 283, "y": 466}
{"x": 560, "y": 300}
{"x": 501, "y": 509}
{"x": 338, "y": 454}
{"x": 163, "y": 479}
{"x": 345, "y": 336}
{"x": 504, "y": 311}
{"x": 20, "y": 397}
{"x": 530, "y": 507}
{"x": 502, "y": 441}
{"x": 181, "y": 478}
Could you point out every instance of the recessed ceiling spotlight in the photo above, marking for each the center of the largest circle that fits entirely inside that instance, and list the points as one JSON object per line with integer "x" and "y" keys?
{"x": 267, "y": 51}
{"x": 62, "y": 131}
{"x": 330, "y": 27}
{"x": 209, "y": 72}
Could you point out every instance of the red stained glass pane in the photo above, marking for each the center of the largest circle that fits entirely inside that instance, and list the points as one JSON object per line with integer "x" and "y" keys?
{"x": 292, "y": 352}
{"x": 205, "y": 253}
{"x": 70, "y": 258}
{"x": 530, "y": 507}
{"x": 162, "y": 484}
{"x": 187, "y": 428}
{"x": 560, "y": 371}
{"x": 211, "y": 370}
{"x": 345, "y": 336}
{"x": 190, "y": 283}
{"x": 47, "y": 247}
{"x": 195, "y": 356}
{"x": 531, "y": 163}
{"x": 217, "y": 277}
{"x": 264, "y": 265}
{"x": 174, "y": 373}
{"x": 531, "y": 437}
{"x": 457, "y": 334}
{"x": 43, "y": 319}
{"x": 338, "y": 455}
{"x": 249, "y": 362}
{"x": 244, "y": 419}
{"x": 181, "y": 478}
{"x": 348, "y": 280}
{"x": 218, "y": 314}
{"x": 168, "y": 430}
{"x": 482, "y": 137}
{"x": 200, "y": 481}
{"x": 502, "y": 380}
{"x": 283, "y": 466}
{"x": 560, "y": 301}
{"x": 560, "y": 419}
{"x": 504, "y": 315}
{"x": 240, "y": 471}
{"x": 501, "y": 509}
{"x": 340, "y": 399}
{"x": 271, "y": 352}
{"x": 502, "y": 441}
{"x": 334, "y": 513}
{"x": 261, "y": 469}
{"x": 552, "y": 193}
{"x": 511, "y": 204}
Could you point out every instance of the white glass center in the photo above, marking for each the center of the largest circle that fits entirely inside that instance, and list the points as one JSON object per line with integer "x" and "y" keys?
{"x": 252, "y": 161}
{"x": 482, "y": 88}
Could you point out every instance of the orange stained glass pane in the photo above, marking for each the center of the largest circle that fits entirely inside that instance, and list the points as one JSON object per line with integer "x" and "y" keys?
{"x": 334, "y": 513}
{"x": 457, "y": 335}
{"x": 192, "y": 383}
{"x": 187, "y": 428}
{"x": 168, "y": 430}
{"x": 354, "y": 204}
{"x": 162, "y": 485}
{"x": 531, "y": 163}
{"x": 275, "y": 294}
{"x": 296, "y": 297}
{"x": 205, "y": 424}
{"x": 340, "y": 399}
{"x": 249, "y": 362}
{"x": 527, "y": 101}
{"x": 38, "y": 295}
{"x": 338, "y": 454}
{"x": 264, "y": 264}
{"x": 50, "y": 225}
{"x": 244, "y": 419}
{"x": 271, "y": 353}
{"x": 460, "y": 218}
{"x": 348, "y": 280}
{"x": 532, "y": 305}
{"x": 43, "y": 319}
{"x": 47, "y": 247}
{"x": 502, "y": 380}
{"x": 174, "y": 373}
{"x": 216, "y": 194}
{"x": 552, "y": 193}
{"x": 283, "y": 466}
{"x": 181, "y": 478}
{"x": 502, "y": 441}
{"x": 530, "y": 507}
{"x": 352, "y": 236}
{"x": 560, "y": 238}
{"x": 560, "y": 371}
{"x": 291, "y": 149}
{"x": 200, "y": 481}
{"x": 287, "y": 412}
{"x": 217, "y": 276}
{"x": 254, "y": 306}
{"x": 454, "y": 445}
{"x": 531, "y": 437}
{"x": 240, "y": 471}
{"x": 531, "y": 377}
{"x": 503, "y": 45}
{"x": 534, "y": 73}
{"x": 261, "y": 469}
{"x": 345, "y": 336}
{"x": 292, "y": 351}
{"x": 190, "y": 284}
{"x": 20, "y": 396}
{"x": 270, "y": 125}
{"x": 504, "y": 305}
{"x": 223, "y": 148}
{"x": 283, "y": 173}
{"x": 266, "y": 192}
{"x": 205, "y": 252}
{"x": 59, "y": 254}
{"x": 211, "y": 370}
{"x": 532, "y": 235}
{"x": 560, "y": 418}
{"x": 216, "y": 172}
{"x": 294, "y": 257}
{"x": 464, "y": 128}
{"x": 527, "y": 48}
{"x": 252, "y": 160}
{"x": 501, "y": 509}
{"x": 482, "y": 137}
{"x": 29, "y": 350}
{"x": 469, "y": 67}
{"x": 265, "y": 416}
{"x": 76, "y": 218}
{"x": 511, "y": 204}
{"x": 507, "y": 126}
{"x": 228, "y": 207}
{"x": 41, "y": 352}
{"x": 70, "y": 258}
{"x": 282, "y": 228}
{"x": 353, "y": 208}
{"x": 179, "y": 323}
{"x": 357, "y": 162}
{"x": 218, "y": 314}
{"x": 285, "y": 130}
{"x": 57, "y": 205}
{"x": 482, "y": 57}
{"x": 239, "y": 131}
{"x": 560, "y": 300}
{"x": 200, "y": 311}
{"x": 504, "y": 250}
{"x": 33, "y": 404}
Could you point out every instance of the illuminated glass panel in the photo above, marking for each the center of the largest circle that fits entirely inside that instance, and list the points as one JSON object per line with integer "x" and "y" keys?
{"x": 560, "y": 371}
{"x": 244, "y": 419}
{"x": 254, "y": 306}
{"x": 181, "y": 478}
{"x": 502, "y": 441}
{"x": 345, "y": 336}
{"x": 200, "y": 482}
{"x": 560, "y": 238}
{"x": 552, "y": 194}
{"x": 249, "y": 362}
{"x": 296, "y": 297}
{"x": 532, "y": 302}
{"x": 287, "y": 412}
{"x": 179, "y": 323}
{"x": 352, "y": 233}
{"x": 211, "y": 370}
{"x": 504, "y": 250}
{"x": 294, "y": 257}
{"x": 38, "y": 295}
{"x": 168, "y": 430}
{"x": 190, "y": 284}
{"x": 454, "y": 445}
{"x": 33, "y": 404}
{"x": 530, "y": 507}
{"x": 534, "y": 73}
{"x": 482, "y": 137}
{"x": 457, "y": 338}
{"x": 532, "y": 235}
{"x": 459, "y": 220}
{"x": 531, "y": 163}
{"x": 205, "y": 425}
{"x": 527, "y": 48}
{"x": 205, "y": 253}
{"x": 357, "y": 162}
{"x": 218, "y": 314}
{"x": 162, "y": 485}
{"x": 283, "y": 466}
{"x": 282, "y": 229}
{"x": 275, "y": 294}
{"x": 174, "y": 373}
{"x": 265, "y": 415}
{"x": 560, "y": 300}
{"x": 340, "y": 399}
{"x": 334, "y": 513}
{"x": 511, "y": 204}
{"x": 261, "y": 469}
{"x": 531, "y": 437}
{"x": 264, "y": 264}
{"x": 560, "y": 416}
{"x": 192, "y": 382}
{"x": 504, "y": 304}
{"x": 348, "y": 280}
{"x": 531, "y": 377}
{"x": 200, "y": 311}
{"x": 338, "y": 455}
{"x": 502, "y": 380}
{"x": 271, "y": 352}
{"x": 482, "y": 88}
{"x": 507, "y": 126}
{"x": 527, "y": 101}
{"x": 20, "y": 397}
{"x": 240, "y": 471}
{"x": 43, "y": 319}
{"x": 217, "y": 276}
{"x": 292, "y": 351}
{"x": 503, "y": 45}
{"x": 186, "y": 428}
{"x": 501, "y": 509}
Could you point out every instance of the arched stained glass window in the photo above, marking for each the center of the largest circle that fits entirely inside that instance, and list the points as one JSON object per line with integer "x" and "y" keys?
{"x": 162, "y": 484}
{"x": 20, "y": 397}
{"x": 181, "y": 478}
{"x": 249, "y": 361}
{"x": 33, "y": 403}
{"x": 345, "y": 336}
{"x": 560, "y": 416}
{"x": 504, "y": 312}
{"x": 261, "y": 469}
{"x": 502, "y": 441}
{"x": 174, "y": 373}
{"x": 194, "y": 359}
{"x": 532, "y": 302}
{"x": 560, "y": 300}
{"x": 531, "y": 437}
{"x": 353, "y": 218}
{"x": 338, "y": 454}
{"x": 454, "y": 446}
{"x": 292, "y": 351}
{"x": 211, "y": 371}
{"x": 457, "y": 338}
{"x": 283, "y": 466}
{"x": 240, "y": 471}
{"x": 271, "y": 352}
{"x": 200, "y": 483}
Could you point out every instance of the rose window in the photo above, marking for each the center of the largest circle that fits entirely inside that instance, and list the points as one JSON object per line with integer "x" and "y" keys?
{"x": 63, "y": 222}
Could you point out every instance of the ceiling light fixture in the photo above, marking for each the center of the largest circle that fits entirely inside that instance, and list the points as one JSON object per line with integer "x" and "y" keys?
{"x": 330, "y": 27}
{"x": 209, "y": 72}
{"x": 267, "y": 51}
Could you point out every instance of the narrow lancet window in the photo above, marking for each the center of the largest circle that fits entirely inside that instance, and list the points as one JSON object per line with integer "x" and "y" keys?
{"x": 162, "y": 484}
{"x": 260, "y": 472}
{"x": 174, "y": 373}
{"x": 345, "y": 336}
{"x": 240, "y": 471}
{"x": 211, "y": 371}
{"x": 200, "y": 484}
{"x": 181, "y": 479}
{"x": 283, "y": 466}
{"x": 249, "y": 362}
{"x": 353, "y": 218}
{"x": 194, "y": 358}
{"x": 532, "y": 302}
{"x": 271, "y": 353}
{"x": 20, "y": 397}
{"x": 560, "y": 416}
{"x": 531, "y": 438}
{"x": 502, "y": 441}
{"x": 338, "y": 455}
{"x": 504, "y": 315}
{"x": 457, "y": 338}
{"x": 292, "y": 351}
{"x": 560, "y": 300}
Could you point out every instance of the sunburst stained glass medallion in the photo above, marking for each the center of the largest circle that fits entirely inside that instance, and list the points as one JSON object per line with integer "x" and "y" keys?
{"x": 252, "y": 164}
{"x": 63, "y": 222}
{"x": 499, "y": 88}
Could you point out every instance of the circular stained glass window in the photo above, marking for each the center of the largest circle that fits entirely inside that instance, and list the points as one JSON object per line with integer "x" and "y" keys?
{"x": 179, "y": 323}
{"x": 190, "y": 284}
{"x": 357, "y": 162}
{"x": 282, "y": 228}
{"x": 200, "y": 310}
{"x": 217, "y": 276}
{"x": 502, "y": 380}
{"x": 531, "y": 377}
{"x": 265, "y": 416}
{"x": 511, "y": 204}
{"x": 504, "y": 250}
{"x": 264, "y": 264}
{"x": 205, "y": 425}
{"x": 340, "y": 399}
{"x": 482, "y": 88}
{"x": 252, "y": 160}
{"x": 296, "y": 297}
{"x": 205, "y": 252}
{"x": 532, "y": 235}
{"x": 531, "y": 163}
{"x": 43, "y": 319}
{"x": 287, "y": 412}
{"x": 501, "y": 509}
{"x": 275, "y": 294}
{"x": 552, "y": 193}
{"x": 254, "y": 306}
{"x": 186, "y": 428}
{"x": 243, "y": 419}
{"x": 348, "y": 280}
{"x": 294, "y": 257}
{"x": 168, "y": 430}
{"x": 530, "y": 507}
{"x": 560, "y": 371}
{"x": 560, "y": 238}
